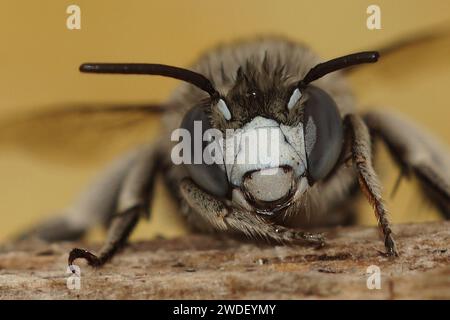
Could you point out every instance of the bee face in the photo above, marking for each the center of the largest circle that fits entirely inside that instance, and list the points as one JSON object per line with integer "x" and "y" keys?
{"x": 279, "y": 140}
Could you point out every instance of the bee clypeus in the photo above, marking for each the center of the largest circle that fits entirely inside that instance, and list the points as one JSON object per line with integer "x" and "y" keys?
{"x": 323, "y": 164}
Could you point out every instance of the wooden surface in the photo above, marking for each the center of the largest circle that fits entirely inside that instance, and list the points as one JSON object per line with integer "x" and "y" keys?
{"x": 203, "y": 267}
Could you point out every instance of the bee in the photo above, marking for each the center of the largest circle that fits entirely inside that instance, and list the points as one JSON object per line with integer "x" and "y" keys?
{"x": 325, "y": 151}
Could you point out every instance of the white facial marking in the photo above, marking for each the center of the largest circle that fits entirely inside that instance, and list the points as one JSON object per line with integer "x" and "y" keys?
{"x": 222, "y": 106}
{"x": 294, "y": 136}
{"x": 296, "y": 95}
{"x": 252, "y": 155}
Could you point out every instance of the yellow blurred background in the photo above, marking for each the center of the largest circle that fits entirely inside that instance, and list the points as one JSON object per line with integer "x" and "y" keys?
{"x": 39, "y": 60}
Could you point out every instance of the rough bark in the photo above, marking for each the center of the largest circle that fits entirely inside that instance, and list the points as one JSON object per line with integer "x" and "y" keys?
{"x": 203, "y": 267}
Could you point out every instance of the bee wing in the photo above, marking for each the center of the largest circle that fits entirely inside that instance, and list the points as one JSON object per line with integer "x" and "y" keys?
{"x": 81, "y": 132}
{"x": 412, "y": 77}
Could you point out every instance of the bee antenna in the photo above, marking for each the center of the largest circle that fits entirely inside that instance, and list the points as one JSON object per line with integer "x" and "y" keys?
{"x": 194, "y": 78}
{"x": 324, "y": 68}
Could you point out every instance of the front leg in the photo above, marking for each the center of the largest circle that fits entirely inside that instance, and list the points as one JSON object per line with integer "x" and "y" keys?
{"x": 133, "y": 202}
{"x": 223, "y": 218}
{"x": 368, "y": 180}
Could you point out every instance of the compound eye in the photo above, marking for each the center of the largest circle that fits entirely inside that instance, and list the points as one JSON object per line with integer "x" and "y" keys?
{"x": 208, "y": 176}
{"x": 323, "y": 132}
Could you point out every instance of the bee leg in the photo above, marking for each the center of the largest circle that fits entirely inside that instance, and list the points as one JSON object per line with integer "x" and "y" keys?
{"x": 133, "y": 202}
{"x": 222, "y": 218}
{"x": 93, "y": 207}
{"x": 417, "y": 153}
{"x": 121, "y": 227}
{"x": 368, "y": 180}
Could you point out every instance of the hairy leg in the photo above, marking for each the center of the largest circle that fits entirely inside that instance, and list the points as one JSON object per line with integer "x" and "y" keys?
{"x": 133, "y": 202}
{"x": 94, "y": 206}
{"x": 368, "y": 180}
